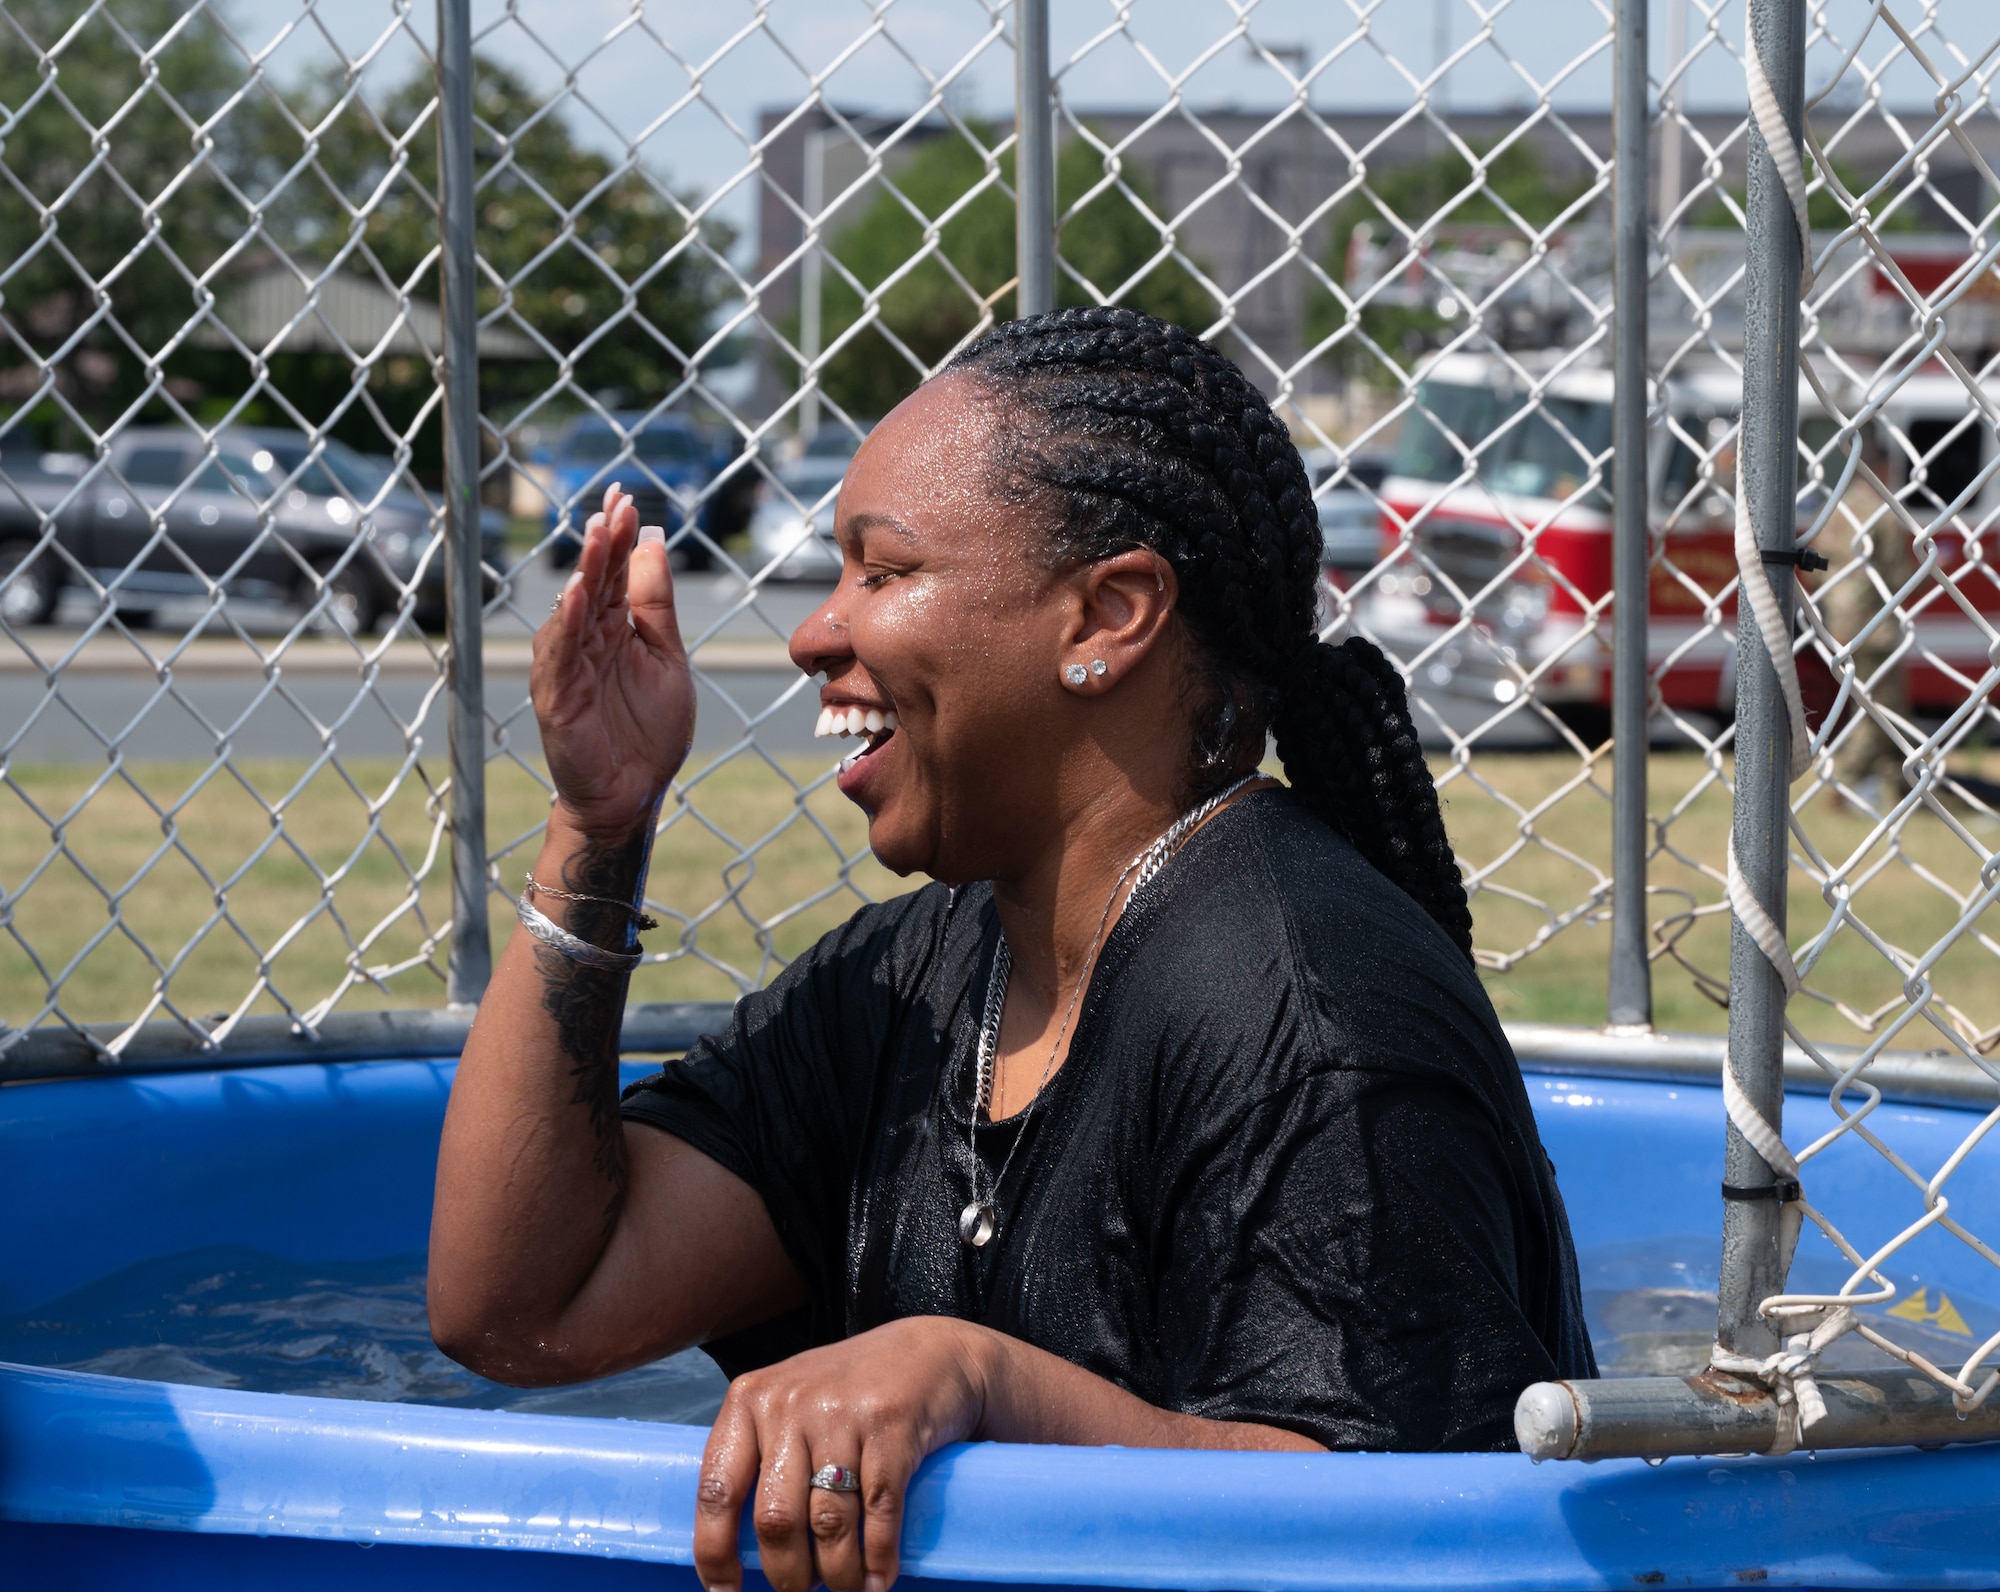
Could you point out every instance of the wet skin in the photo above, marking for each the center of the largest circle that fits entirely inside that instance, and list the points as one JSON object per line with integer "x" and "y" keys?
{"x": 566, "y": 1244}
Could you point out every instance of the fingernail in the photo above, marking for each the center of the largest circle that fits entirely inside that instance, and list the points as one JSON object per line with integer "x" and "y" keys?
{"x": 611, "y": 496}
{"x": 652, "y": 533}
{"x": 572, "y": 583}
{"x": 874, "y": 1583}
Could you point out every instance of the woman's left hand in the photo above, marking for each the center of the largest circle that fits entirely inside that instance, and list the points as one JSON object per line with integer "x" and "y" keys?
{"x": 877, "y": 1404}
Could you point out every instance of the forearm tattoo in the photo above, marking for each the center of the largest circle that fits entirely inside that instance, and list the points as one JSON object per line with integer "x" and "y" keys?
{"x": 588, "y": 1003}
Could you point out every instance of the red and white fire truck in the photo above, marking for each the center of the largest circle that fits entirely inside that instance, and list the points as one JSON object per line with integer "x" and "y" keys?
{"x": 1497, "y": 537}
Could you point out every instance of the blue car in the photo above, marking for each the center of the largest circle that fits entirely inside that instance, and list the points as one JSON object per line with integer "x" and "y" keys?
{"x": 663, "y": 461}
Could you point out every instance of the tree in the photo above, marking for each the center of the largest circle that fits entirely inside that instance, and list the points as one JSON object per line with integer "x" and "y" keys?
{"x": 581, "y": 253}
{"x": 930, "y": 311}
{"x": 75, "y": 226}
{"x": 1823, "y": 207}
{"x": 1419, "y": 198}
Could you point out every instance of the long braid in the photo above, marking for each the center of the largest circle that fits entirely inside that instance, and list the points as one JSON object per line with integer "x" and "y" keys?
{"x": 1145, "y": 436}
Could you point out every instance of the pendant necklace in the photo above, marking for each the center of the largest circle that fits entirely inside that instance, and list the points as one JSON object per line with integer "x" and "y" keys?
{"x": 979, "y": 1221}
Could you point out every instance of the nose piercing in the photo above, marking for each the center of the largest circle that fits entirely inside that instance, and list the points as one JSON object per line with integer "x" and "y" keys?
{"x": 1097, "y": 667}
{"x": 1076, "y": 674}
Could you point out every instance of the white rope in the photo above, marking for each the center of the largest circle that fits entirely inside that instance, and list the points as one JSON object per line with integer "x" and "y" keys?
{"x": 1783, "y": 147}
{"x": 1789, "y": 1372}
{"x": 1761, "y": 1136}
{"x": 1789, "y": 1376}
{"x": 1758, "y": 924}
{"x": 1753, "y": 581}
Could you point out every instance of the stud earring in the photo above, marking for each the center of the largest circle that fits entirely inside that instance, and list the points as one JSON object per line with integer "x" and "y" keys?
{"x": 1076, "y": 674}
{"x": 1097, "y": 667}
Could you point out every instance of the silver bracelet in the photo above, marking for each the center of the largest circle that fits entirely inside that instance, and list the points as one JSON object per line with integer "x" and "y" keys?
{"x": 550, "y": 932}
{"x": 644, "y": 919}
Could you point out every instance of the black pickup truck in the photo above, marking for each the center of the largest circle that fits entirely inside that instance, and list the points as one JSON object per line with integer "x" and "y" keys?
{"x": 160, "y": 519}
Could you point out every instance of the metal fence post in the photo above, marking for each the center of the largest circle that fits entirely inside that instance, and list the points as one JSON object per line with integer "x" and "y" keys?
{"x": 1631, "y": 992}
{"x": 1034, "y": 160}
{"x": 1767, "y": 459}
{"x": 811, "y": 289}
{"x": 471, "y": 955}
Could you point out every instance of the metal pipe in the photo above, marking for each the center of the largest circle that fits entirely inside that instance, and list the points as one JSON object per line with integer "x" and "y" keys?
{"x": 1034, "y": 161}
{"x": 1656, "y": 1417}
{"x": 1913, "y": 1077}
{"x": 1670, "y": 124}
{"x": 811, "y": 269}
{"x": 470, "y": 962}
{"x": 1631, "y": 984}
{"x": 46, "y": 1054}
{"x": 1767, "y": 459}
{"x": 1440, "y": 53}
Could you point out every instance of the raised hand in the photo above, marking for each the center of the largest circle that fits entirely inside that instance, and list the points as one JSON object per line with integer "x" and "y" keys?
{"x": 610, "y": 680}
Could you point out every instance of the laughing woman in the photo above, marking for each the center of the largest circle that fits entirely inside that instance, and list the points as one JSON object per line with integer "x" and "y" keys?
{"x": 1172, "y": 1114}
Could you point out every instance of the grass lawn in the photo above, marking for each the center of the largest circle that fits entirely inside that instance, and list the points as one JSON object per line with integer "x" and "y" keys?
{"x": 1535, "y": 831}
{"x": 353, "y": 883}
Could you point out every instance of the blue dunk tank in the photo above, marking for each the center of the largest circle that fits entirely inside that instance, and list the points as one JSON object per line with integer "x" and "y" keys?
{"x": 240, "y": 1244}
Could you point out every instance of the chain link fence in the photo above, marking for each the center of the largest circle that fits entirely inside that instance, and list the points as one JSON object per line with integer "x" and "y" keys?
{"x": 1891, "y": 417}
{"x": 707, "y": 252}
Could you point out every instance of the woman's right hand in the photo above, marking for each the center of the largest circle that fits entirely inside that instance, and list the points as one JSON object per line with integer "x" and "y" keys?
{"x": 612, "y": 690}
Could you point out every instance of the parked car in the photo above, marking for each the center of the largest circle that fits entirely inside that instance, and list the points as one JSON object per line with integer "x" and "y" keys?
{"x": 1350, "y": 515}
{"x": 664, "y": 461}
{"x": 264, "y": 517}
{"x": 791, "y": 527}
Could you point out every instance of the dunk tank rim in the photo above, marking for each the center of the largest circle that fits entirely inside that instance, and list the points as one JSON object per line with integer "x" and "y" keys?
{"x": 138, "y": 1485}
{"x": 106, "y": 1482}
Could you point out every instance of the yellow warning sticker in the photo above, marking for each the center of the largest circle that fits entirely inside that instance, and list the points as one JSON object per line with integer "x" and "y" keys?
{"x": 1945, "y": 1318}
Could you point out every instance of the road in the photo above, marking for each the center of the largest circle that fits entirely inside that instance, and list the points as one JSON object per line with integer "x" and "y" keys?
{"x": 110, "y": 694}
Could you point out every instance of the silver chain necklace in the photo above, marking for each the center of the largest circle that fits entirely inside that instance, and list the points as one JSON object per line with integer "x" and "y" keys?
{"x": 979, "y": 1221}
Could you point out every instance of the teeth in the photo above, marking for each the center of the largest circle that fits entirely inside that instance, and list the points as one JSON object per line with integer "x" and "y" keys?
{"x": 853, "y": 721}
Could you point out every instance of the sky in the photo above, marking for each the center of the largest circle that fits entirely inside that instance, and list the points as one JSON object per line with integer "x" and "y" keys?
{"x": 687, "y": 79}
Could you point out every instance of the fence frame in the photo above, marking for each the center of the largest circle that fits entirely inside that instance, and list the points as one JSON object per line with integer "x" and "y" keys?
{"x": 1752, "y": 1266}
{"x": 1034, "y": 160}
{"x": 1628, "y": 1416}
{"x": 1630, "y": 993}
{"x": 470, "y": 959}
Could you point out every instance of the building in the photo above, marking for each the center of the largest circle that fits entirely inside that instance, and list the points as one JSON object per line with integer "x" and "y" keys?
{"x": 1254, "y": 230}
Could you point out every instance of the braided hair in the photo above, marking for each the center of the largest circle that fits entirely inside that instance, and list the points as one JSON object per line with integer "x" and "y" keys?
{"x": 1139, "y": 434}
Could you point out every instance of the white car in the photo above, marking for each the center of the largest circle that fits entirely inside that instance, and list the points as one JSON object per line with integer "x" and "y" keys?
{"x": 1350, "y": 529}
{"x": 791, "y": 528}
{"x": 1350, "y": 515}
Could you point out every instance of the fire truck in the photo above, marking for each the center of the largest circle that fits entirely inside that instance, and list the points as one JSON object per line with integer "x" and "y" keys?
{"x": 1497, "y": 522}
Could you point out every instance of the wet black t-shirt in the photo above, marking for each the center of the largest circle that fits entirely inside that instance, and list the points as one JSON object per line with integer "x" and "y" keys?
{"x": 1287, "y": 1173}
